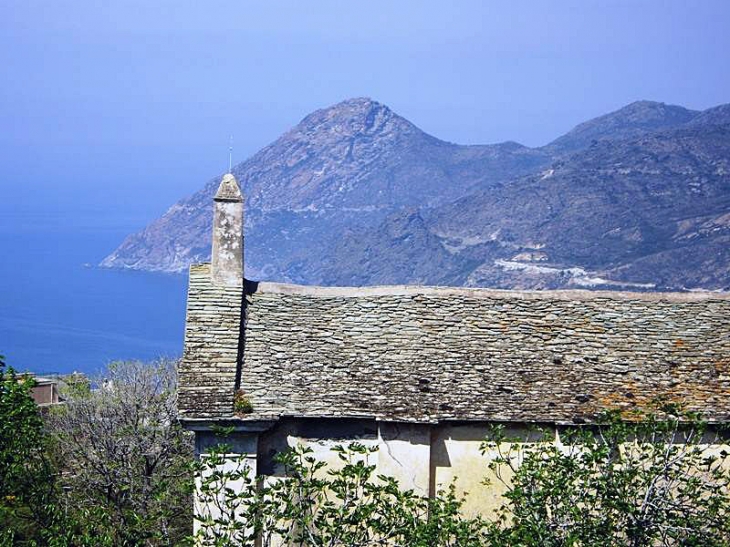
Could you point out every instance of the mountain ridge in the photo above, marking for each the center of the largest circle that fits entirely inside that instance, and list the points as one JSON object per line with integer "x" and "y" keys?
{"x": 324, "y": 174}
{"x": 333, "y": 199}
{"x": 633, "y": 120}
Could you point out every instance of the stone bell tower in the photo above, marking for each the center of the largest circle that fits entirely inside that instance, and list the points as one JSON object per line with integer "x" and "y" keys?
{"x": 227, "y": 252}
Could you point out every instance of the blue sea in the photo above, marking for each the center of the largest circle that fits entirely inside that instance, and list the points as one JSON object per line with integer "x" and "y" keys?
{"x": 60, "y": 313}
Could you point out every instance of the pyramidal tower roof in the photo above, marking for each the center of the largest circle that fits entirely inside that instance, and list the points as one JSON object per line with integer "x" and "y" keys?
{"x": 228, "y": 189}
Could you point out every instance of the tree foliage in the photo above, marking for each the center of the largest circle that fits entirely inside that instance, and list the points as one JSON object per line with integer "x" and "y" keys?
{"x": 27, "y": 478}
{"x": 109, "y": 468}
{"x": 654, "y": 479}
{"x": 659, "y": 479}
{"x": 313, "y": 504}
{"x": 126, "y": 458}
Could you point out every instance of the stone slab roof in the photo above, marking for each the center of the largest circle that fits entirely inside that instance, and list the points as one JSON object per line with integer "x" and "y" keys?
{"x": 430, "y": 354}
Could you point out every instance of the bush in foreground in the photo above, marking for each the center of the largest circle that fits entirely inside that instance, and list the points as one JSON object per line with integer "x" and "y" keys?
{"x": 312, "y": 504}
{"x": 659, "y": 479}
{"x": 109, "y": 467}
{"x": 27, "y": 473}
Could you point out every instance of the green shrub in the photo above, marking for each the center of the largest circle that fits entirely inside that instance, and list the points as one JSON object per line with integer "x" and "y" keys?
{"x": 241, "y": 403}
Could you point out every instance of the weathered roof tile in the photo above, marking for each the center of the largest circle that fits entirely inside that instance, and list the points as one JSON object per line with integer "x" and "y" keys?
{"x": 430, "y": 354}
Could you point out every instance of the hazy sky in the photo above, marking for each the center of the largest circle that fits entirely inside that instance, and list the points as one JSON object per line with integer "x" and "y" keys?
{"x": 129, "y": 104}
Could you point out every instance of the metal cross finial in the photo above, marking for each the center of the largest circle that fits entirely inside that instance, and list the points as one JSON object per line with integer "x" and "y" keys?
{"x": 230, "y": 154}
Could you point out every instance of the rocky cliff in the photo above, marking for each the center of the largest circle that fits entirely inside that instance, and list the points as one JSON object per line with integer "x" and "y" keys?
{"x": 355, "y": 194}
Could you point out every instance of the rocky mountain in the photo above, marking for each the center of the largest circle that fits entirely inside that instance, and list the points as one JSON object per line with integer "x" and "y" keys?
{"x": 356, "y": 195}
{"x": 719, "y": 115}
{"x": 646, "y": 213}
{"x": 634, "y": 120}
{"x": 342, "y": 167}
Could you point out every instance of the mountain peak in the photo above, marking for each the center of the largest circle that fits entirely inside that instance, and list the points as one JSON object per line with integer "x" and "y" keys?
{"x": 345, "y": 153}
{"x": 355, "y": 106}
{"x": 718, "y": 115}
{"x": 645, "y": 111}
{"x": 642, "y": 104}
{"x": 632, "y": 120}
{"x": 351, "y": 117}
{"x": 358, "y": 102}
